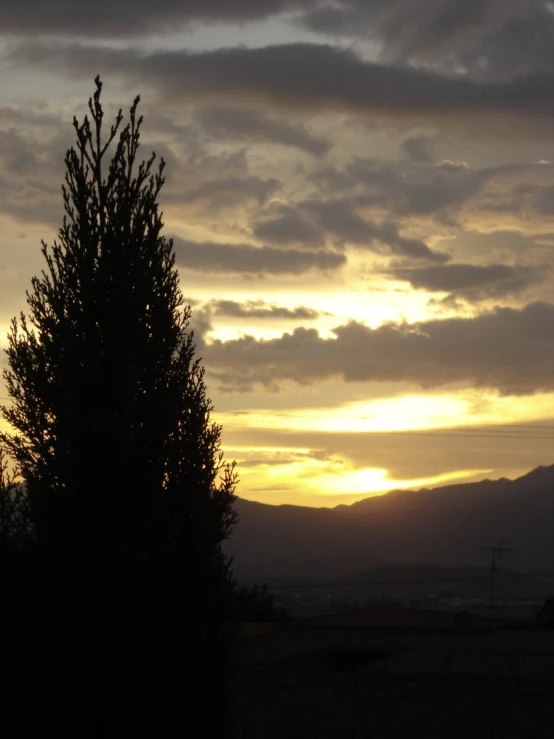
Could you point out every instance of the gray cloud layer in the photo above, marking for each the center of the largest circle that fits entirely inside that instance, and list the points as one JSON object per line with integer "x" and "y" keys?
{"x": 252, "y": 125}
{"x": 509, "y": 350}
{"x": 130, "y": 17}
{"x": 310, "y": 77}
{"x": 489, "y": 39}
{"x": 473, "y": 282}
{"x": 340, "y": 219}
{"x": 505, "y": 36}
{"x": 418, "y": 149}
{"x": 248, "y": 259}
{"x": 231, "y": 191}
{"x": 289, "y": 226}
{"x": 259, "y": 309}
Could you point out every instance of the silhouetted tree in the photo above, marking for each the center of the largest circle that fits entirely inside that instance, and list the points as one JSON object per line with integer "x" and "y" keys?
{"x": 15, "y": 535}
{"x": 130, "y": 498}
{"x": 15, "y": 522}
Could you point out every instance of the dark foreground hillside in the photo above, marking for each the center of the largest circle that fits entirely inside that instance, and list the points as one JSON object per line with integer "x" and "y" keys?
{"x": 334, "y": 677}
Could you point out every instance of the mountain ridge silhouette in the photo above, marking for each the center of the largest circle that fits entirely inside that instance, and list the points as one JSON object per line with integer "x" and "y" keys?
{"x": 445, "y": 525}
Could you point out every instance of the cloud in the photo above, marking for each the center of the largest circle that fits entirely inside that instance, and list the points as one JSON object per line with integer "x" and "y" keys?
{"x": 251, "y": 125}
{"x": 249, "y": 259}
{"x": 128, "y": 18}
{"x": 311, "y": 78}
{"x": 311, "y": 221}
{"x": 508, "y": 350}
{"x": 488, "y": 39}
{"x": 536, "y": 198}
{"x": 418, "y": 149}
{"x": 502, "y": 246}
{"x": 438, "y": 191}
{"x": 259, "y": 309}
{"x": 420, "y": 191}
{"x": 289, "y": 226}
{"x": 450, "y": 167}
{"x": 31, "y": 172}
{"x": 501, "y": 34}
{"x": 504, "y": 36}
{"x": 231, "y": 191}
{"x": 16, "y": 156}
{"x": 473, "y": 282}
{"x": 522, "y": 44}
{"x": 339, "y": 218}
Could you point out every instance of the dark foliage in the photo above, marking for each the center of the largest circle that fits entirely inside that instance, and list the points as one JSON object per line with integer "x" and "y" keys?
{"x": 256, "y": 604}
{"x": 128, "y": 592}
{"x": 15, "y": 520}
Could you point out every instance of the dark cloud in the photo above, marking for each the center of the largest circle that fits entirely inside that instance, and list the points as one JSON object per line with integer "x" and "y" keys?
{"x": 259, "y": 309}
{"x": 311, "y": 77}
{"x": 545, "y": 201}
{"x": 407, "y": 247}
{"x": 339, "y": 218}
{"x": 437, "y": 191}
{"x": 248, "y": 259}
{"x": 538, "y": 199}
{"x": 231, "y": 191}
{"x": 495, "y": 246}
{"x": 488, "y": 40}
{"x": 250, "y": 125}
{"x": 486, "y": 37}
{"x": 502, "y": 36}
{"x": 420, "y": 191}
{"x": 16, "y": 156}
{"x": 418, "y": 149}
{"x": 473, "y": 282}
{"x": 208, "y": 180}
{"x": 289, "y": 226}
{"x": 31, "y": 173}
{"x": 522, "y": 44}
{"x": 508, "y": 350}
{"x": 127, "y": 18}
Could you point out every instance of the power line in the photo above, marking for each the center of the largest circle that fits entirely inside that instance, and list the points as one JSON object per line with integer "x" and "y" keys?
{"x": 472, "y": 578}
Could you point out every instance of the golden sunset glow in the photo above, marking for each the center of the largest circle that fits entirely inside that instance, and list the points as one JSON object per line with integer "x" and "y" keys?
{"x": 325, "y": 481}
{"x": 369, "y": 271}
{"x": 464, "y": 409}
{"x": 452, "y": 419}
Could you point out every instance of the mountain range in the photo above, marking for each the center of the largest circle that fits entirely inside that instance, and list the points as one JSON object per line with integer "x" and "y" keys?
{"x": 446, "y": 526}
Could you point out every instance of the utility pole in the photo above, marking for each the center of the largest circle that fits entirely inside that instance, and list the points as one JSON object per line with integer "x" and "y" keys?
{"x": 495, "y": 551}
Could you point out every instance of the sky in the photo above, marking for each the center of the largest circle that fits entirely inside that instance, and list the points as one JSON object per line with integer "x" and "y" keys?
{"x": 361, "y": 197}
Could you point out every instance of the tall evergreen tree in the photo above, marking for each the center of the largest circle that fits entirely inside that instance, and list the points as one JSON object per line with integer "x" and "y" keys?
{"x": 130, "y": 498}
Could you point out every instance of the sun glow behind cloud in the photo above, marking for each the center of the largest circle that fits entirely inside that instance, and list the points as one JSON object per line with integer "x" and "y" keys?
{"x": 426, "y": 412}
{"x": 293, "y": 474}
{"x": 336, "y": 306}
{"x": 373, "y": 481}
{"x": 297, "y": 475}
{"x": 379, "y": 164}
